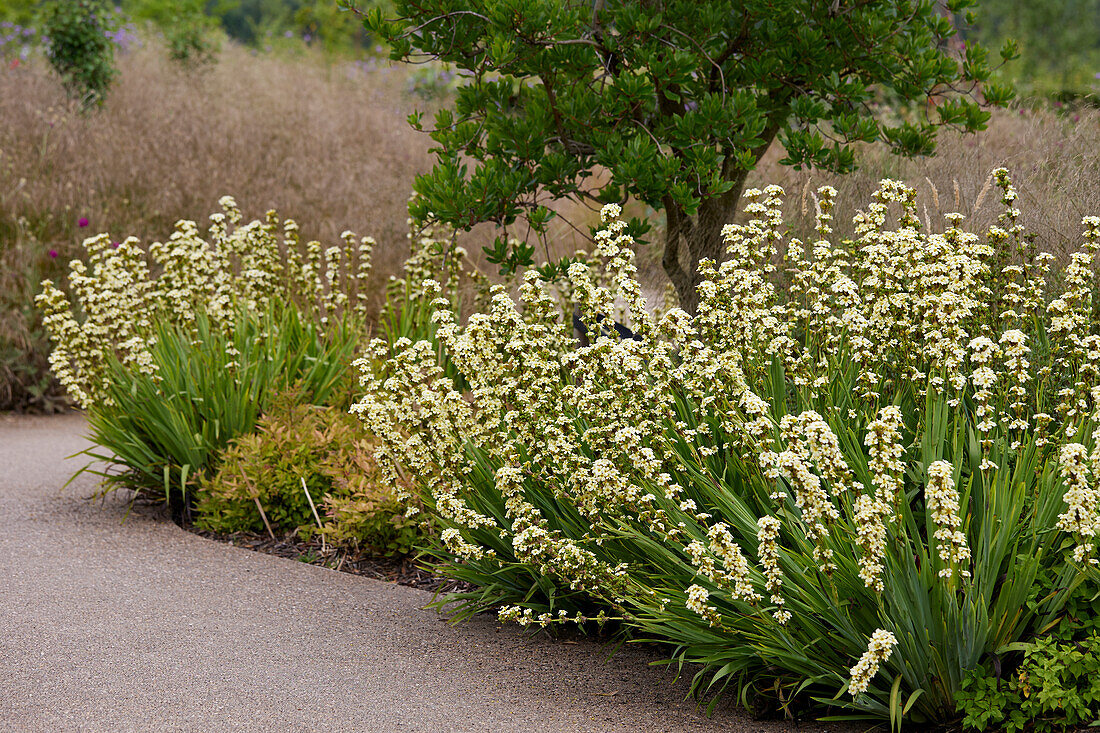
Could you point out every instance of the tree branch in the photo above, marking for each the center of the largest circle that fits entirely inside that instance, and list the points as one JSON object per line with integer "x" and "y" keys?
{"x": 445, "y": 16}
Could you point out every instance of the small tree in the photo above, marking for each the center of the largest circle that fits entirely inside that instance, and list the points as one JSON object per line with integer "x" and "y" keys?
{"x": 676, "y": 99}
{"x": 189, "y": 33}
{"x": 79, "y": 47}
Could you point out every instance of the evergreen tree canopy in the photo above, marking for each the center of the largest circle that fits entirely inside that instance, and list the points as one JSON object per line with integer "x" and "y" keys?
{"x": 676, "y": 99}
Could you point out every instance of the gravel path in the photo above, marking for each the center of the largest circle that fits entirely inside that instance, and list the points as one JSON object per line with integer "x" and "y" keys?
{"x": 108, "y": 625}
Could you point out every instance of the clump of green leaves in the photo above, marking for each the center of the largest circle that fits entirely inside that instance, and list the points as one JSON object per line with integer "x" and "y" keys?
{"x": 1056, "y": 688}
{"x": 267, "y": 469}
{"x": 300, "y": 448}
{"x": 190, "y": 40}
{"x": 189, "y": 33}
{"x": 79, "y": 47}
{"x": 1052, "y": 684}
{"x": 363, "y": 511}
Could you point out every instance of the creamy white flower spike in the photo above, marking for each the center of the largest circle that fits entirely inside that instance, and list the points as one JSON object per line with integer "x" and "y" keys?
{"x": 883, "y": 441}
{"x": 943, "y": 505}
{"x": 768, "y": 550}
{"x": 879, "y": 648}
{"x": 870, "y": 519}
{"x": 1082, "y": 498}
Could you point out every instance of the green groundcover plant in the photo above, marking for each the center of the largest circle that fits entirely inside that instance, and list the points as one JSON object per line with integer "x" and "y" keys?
{"x": 848, "y": 492}
{"x": 1054, "y": 685}
{"x": 297, "y": 448}
{"x": 1056, "y": 688}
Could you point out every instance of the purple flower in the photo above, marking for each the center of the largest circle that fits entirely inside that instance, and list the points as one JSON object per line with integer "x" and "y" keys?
{"x": 53, "y": 254}
{"x": 114, "y": 244}
{"x": 83, "y": 222}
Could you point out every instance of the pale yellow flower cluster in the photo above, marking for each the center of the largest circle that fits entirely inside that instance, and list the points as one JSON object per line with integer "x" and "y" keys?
{"x": 697, "y": 597}
{"x": 883, "y": 442}
{"x": 452, "y": 540}
{"x": 121, "y": 290}
{"x": 869, "y": 519}
{"x": 1082, "y": 481}
{"x": 734, "y": 575}
{"x": 879, "y": 649}
{"x": 1071, "y": 316}
{"x": 113, "y": 296}
{"x": 810, "y": 496}
{"x": 768, "y": 549}
{"x": 526, "y": 617}
{"x": 943, "y": 505}
{"x": 982, "y": 351}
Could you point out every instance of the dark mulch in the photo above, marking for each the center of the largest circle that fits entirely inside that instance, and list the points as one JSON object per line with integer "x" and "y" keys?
{"x": 401, "y": 570}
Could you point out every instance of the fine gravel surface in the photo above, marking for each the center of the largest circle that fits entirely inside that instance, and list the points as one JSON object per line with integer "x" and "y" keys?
{"x": 136, "y": 625}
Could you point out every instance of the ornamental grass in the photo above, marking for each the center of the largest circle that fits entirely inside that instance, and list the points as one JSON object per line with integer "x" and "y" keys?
{"x": 865, "y": 466}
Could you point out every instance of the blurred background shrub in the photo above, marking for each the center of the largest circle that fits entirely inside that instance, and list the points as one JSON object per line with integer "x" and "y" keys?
{"x": 79, "y": 46}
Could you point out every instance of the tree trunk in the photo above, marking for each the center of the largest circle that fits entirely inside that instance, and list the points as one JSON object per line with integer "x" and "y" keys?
{"x": 703, "y": 233}
{"x": 703, "y": 236}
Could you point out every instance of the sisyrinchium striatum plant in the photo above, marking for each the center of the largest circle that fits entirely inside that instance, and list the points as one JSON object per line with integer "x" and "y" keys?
{"x": 177, "y": 351}
{"x": 849, "y": 492}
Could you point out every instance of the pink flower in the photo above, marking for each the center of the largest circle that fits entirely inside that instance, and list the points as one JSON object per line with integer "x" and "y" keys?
{"x": 83, "y": 222}
{"x": 53, "y": 254}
